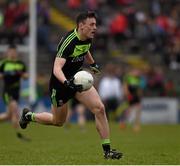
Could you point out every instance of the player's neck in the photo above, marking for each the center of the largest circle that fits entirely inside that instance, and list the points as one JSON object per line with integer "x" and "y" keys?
{"x": 12, "y": 58}
{"x": 80, "y": 35}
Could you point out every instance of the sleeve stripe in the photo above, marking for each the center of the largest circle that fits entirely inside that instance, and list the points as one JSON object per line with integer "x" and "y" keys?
{"x": 66, "y": 42}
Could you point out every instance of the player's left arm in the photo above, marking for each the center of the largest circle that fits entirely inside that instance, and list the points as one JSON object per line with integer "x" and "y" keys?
{"x": 1, "y": 75}
{"x": 93, "y": 65}
{"x": 24, "y": 74}
{"x": 89, "y": 59}
{"x": 1, "y": 69}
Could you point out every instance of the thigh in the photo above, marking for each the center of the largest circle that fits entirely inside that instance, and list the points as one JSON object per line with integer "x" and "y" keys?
{"x": 89, "y": 98}
{"x": 9, "y": 96}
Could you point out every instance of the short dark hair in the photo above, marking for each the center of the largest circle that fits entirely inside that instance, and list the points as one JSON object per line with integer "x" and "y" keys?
{"x": 84, "y": 15}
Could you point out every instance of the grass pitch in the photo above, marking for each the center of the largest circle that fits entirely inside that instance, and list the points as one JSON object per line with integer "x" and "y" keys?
{"x": 155, "y": 144}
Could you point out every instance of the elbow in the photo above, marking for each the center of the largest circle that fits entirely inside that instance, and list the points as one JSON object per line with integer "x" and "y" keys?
{"x": 55, "y": 71}
{"x": 25, "y": 76}
{"x": 58, "y": 73}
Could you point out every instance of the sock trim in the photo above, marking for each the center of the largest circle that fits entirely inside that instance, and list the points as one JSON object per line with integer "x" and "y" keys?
{"x": 33, "y": 116}
{"x": 105, "y": 141}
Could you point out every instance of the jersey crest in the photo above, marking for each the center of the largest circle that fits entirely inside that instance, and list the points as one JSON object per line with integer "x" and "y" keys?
{"x": 80, "y": 49}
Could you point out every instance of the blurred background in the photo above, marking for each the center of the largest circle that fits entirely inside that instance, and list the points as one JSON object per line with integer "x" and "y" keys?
{"x": 133, "y": 35}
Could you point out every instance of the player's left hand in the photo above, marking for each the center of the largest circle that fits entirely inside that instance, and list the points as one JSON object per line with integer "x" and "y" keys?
{"x": 70, "y": 84}
{"x": 95, "y": 68}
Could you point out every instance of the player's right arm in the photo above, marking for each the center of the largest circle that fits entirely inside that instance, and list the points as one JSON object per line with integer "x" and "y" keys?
{"x": 1, "y": 76}
{"x": 57, "y": 70}
{"x": 126, "y": 89}
{"x": 1, "y": 69}
{"x": 64, "y": 50}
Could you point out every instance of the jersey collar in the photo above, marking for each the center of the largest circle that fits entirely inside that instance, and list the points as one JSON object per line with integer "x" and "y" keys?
{"x": 75, "y": 31}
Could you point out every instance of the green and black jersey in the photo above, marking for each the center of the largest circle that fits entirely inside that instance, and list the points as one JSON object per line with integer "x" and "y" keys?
{"x": 73, "y": 50}
{"x": 133, "y": 83}
{"x": 12, "y": 72}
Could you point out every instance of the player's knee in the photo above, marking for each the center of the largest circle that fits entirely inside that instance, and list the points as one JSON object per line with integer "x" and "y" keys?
{"x": 100, "y": 109}
{"x": 13, "y": 104}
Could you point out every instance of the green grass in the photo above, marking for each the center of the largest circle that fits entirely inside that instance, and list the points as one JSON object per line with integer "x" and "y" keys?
{"x": 155, "y": 144}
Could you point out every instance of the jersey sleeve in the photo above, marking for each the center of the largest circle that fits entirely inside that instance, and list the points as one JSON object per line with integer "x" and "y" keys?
{"x": 64, "y": 52}
{"x": 125, "y": 79}
{"x": 1, "y": 67}
{"x": 23, "y": 66}
{"x": 24, "y": 69}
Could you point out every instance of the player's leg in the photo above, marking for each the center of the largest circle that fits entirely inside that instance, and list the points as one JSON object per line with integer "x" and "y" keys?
{"x": 92, "y": 101}
{"x": 135, "y": 106}
{"x": 13, "y": 112}
{"x": 69, "y": 115}
{"x": 80, "y": 108}
{"x": 5, "y": 115}
{"x": 60, "y": 115}
{"x": 137, "y": 109}
{"x": 13, "y": 109}
{"x": 57, "y": 117}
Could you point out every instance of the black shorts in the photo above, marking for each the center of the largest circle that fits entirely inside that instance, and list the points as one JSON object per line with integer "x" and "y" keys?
{"x": 10, "y": 95}
{"x": 74, "y": 103}
{"x": 133, "y": 99}
{"x": 60, "y": 94}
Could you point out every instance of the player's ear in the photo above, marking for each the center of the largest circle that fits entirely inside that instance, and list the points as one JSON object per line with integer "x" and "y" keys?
{"x": 81, "y": 24}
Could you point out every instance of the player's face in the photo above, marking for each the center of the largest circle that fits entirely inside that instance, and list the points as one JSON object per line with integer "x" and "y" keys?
{"x": 89, "y": 28}
{"x": 12, "y": 53}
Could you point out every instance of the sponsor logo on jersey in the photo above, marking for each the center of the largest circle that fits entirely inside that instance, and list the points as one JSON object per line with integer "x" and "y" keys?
{"x": 78, "y": 59}
{"x": 80, "y": 49}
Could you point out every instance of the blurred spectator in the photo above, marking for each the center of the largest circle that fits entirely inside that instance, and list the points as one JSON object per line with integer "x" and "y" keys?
{"x": 127, "y": 26}
{"x": 118, "y": 27}
{"x": 11, "y": 14}
{"x": 74, "y": 4}
{"x": 91, "y": 4}
{"x": 102, "y": 36}
{"x": 125, "y": 2}
{"x": 133, "y": 94}
{"x": 42, "y": 97}
{"x": 15, "y": 21}
{"x": 22, "y": 20}
{"x": 155, "y": 8}
{"x": 131, "y": 16}
{"x": 44, "y": 25}
{"x": 163, "y": 22}
{"x": 170, "y": 89}
{"x": 155, "y": 84}
{"x": 110, "y": 89}
{"x": 1, "y": 18}
{"x": 171, "y": 54}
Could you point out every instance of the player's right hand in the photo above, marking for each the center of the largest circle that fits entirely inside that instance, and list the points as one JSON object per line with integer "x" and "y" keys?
{"x": 70, "y": 84}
